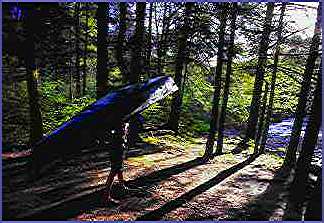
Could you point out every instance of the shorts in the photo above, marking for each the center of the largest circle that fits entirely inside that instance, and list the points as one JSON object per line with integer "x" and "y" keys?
{"x": 116, "y": 159}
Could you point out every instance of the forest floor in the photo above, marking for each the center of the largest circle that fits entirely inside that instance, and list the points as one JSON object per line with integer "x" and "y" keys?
{"x": 174, "y": 185}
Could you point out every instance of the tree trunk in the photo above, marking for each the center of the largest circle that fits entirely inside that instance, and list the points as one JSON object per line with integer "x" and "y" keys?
{"x": 262, "y": 60}
{"x": 121, "y": 41}
{"x": 273, "y": 79}
{"x": 149, "y": 43}
{"x": 299, "y": 183}
{"x": 217, "y": 84}
{"x": 227, "y": 79}
{"x": 77, "y": 50}
{"x": 158, "y": 39}
{"x": 181, "y": 58}
{"x": 137, "y": 59}
{"x": 102, "y": 49}
{"x": 261, "y": 119}
{"x": 290, "y": 158}
{"x": 84, "y": 78}
{"x": 314, "y": 207}
{"x": 36, "y": 122}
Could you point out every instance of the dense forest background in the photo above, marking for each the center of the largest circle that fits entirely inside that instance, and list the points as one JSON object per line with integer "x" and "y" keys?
{"x": 242, "y": 65}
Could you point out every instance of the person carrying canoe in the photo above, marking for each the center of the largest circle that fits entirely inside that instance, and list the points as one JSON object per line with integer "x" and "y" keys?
{"x": 118, "y": 138}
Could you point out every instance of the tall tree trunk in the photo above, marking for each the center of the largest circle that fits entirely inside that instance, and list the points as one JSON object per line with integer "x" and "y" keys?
{"x": 217, "y": 83}
{"x": 149, "y": 43}
{"x": 102, "y": 49}
{"x": 84, "y": 78}
{"x": 137, "y": 59}
{"x": 262, "y": 61}
{"x": 158, "y": 38}
{"x": 299, "y": 184}
{"x": 227, "y": 79}
{"x": 261, "y": 119}
{"x": 121, "y": 40}
{"x": 273, "y": 79}
{"x": 70, "y": 66}
{"x": 77, "y": 50}
{"x": 290, "y": 158}
{"x": 181, "y": 58}
{"x": 36, "y": 122}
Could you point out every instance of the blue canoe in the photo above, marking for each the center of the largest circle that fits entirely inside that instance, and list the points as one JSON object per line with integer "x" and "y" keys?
{"x": 119, "y": 105}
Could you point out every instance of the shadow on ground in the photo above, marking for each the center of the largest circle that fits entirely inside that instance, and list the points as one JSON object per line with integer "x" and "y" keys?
{"x": 168, "y": 207}
{"x": 271, "y": 200}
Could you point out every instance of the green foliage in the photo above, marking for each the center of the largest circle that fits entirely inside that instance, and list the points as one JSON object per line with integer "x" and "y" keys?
{"x": 57, "y": 107}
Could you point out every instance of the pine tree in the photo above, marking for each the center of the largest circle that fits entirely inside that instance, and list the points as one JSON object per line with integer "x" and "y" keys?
{"x": 217, "y": 83}
{"x": 231, "y": 53}
{"x": 262, "y": 60}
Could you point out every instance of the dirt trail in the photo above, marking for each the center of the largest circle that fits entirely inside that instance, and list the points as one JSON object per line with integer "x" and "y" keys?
{"x": 175, "y": 185}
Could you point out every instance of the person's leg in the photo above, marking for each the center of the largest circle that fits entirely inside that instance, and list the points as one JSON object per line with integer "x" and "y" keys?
{"x": 109, "y": 182}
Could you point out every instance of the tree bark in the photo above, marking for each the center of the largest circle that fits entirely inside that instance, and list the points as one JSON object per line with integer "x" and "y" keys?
{"x": 84, "y": 78}
{"x": 273, "y": 79}
{"x": 149, "y": 43}
{"x": 102, "y": 49}
{"x": 121, "y": 40}
{"x": 300, "y": 181}
{"x": 262, "y": 60}
{"x": 227, "y": 79}
{"x": 77, "y": 50}
{"x": 290, "y": 158}
{"x": 36, "y": 122}
{"x": 137, "y": 59}
{"x": 217, "y": 84}
{"x": 182, "y": 54}
{"x": 261, "y": 119}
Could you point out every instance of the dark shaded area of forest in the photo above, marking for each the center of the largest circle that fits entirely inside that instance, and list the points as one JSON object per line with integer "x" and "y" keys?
{"x": 239, "y": 140}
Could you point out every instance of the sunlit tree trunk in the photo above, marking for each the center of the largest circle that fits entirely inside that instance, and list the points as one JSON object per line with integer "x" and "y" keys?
{"x": 227, "y": 79}
{"x": 261, "y": 119}
{"x": 259, "y": 76}
{"x": 182, "y": 54}
{"x": 102, "y": 49}
{"x": 137, "y": 59}
{"x": 149, "y": 43}
{"x": 273, "y": 79}
{"x": 77, "y": 50}
{"x": 36, "y": 122}
{"x": 217, "y": 83}
{"x": 121, "y": 40}
{"x": 84, "y": 78}
{"x": 300, "y": 112}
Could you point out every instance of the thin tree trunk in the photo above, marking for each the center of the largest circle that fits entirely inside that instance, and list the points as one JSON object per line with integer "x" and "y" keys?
{"x": 84, "y": 79}
{"x": 77, "y": 50}
{"x": 290, "y": 158}
{"x": 70, "y": 67}
{"x": 137, "y": 59}
{"x": 227, "y": 79}
{"x": 149, "y": 44}
{"x": 273, "y": 79}
{"x": 181, "y": 58}
{"x": 261, "y": 119}
{"x": 36, "y": 122}
{"x": 299, "y": 184}
{"x": 102, "y": 49}
{"x": 262, "y": 60}
{"x": 158, "y": 41}
{"x": 217, "y": 84}
{"x": 121, "y": 41}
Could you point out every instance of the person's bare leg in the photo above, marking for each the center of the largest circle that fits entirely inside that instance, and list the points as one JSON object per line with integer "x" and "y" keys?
{"x": 109, "y": 182}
